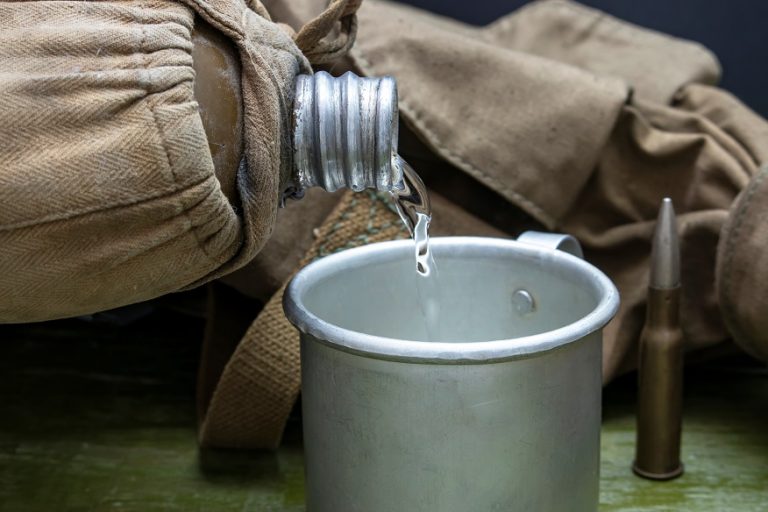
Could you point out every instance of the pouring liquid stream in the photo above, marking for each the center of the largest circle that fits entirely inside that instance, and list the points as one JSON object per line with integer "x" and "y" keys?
{"x": 413, "y": 206}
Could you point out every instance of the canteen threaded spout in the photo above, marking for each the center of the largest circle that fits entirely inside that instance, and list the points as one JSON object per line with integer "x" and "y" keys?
{"x": 345, "y": 133}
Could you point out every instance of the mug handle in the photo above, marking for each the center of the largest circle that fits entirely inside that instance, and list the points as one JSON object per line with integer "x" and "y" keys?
{"x": 552, "y": 241}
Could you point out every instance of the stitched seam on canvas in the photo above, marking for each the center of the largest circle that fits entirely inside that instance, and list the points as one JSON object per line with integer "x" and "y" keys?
{"x": 163, "y": 143}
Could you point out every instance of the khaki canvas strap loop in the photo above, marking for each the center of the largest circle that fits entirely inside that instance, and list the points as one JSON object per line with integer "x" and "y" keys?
{"x": 258, "y": 386}
{"x": 256, "y": 391}
{"x": 258, "y": 7}
{"x": 327, "y": 37}
{"x": 331, "y": 34}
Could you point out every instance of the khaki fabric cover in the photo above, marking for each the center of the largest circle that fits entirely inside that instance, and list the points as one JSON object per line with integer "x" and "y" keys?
{"x": 108, "y": 193}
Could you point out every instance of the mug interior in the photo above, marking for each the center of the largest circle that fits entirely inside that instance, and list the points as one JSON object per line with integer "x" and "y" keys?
{"x": 475, "y": 295}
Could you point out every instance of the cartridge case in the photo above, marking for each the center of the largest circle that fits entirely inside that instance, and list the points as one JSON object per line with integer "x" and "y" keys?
{"x": 660, "y": 395}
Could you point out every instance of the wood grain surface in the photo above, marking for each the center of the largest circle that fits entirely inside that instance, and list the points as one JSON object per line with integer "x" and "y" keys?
{"x": 102, "y": 418}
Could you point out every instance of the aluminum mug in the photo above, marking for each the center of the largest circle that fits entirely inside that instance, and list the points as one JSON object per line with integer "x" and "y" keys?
{"x": 498, "y": 411}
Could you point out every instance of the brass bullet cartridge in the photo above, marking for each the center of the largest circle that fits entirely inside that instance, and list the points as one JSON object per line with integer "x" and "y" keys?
{"x": 660, "y": 370}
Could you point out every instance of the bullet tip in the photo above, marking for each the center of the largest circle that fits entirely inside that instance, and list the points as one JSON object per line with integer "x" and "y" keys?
{"x": 665, "y": 254}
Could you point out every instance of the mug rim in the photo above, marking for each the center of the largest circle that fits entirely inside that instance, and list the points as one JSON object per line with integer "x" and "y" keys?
{"x": 381, "y": 347}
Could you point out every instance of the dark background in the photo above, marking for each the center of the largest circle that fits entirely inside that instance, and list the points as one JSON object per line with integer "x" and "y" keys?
{"x": 735, "y": 30}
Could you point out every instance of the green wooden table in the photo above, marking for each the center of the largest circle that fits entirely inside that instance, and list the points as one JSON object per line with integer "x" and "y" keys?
{"x": 102, "y": 418}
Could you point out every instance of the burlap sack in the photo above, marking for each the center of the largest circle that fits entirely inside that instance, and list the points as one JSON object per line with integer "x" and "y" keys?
{"x": 562, "y": 117}
{"x": 108, "y": 192}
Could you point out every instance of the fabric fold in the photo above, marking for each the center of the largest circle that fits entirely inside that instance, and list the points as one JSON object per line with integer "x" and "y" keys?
{"x": 530, "y": 128}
